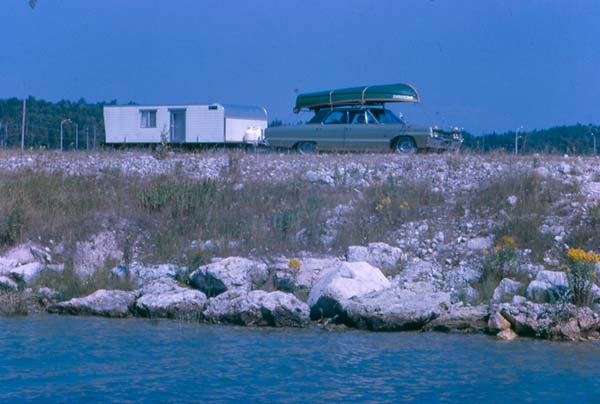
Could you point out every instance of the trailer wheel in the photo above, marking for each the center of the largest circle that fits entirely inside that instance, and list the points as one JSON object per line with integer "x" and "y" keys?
{"x": 306, "y": 147}
{"x": 404, "y": 145}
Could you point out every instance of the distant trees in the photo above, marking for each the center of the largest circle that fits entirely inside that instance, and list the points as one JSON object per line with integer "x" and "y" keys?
{"x": 574, "y": 139}
{"x": 42, "y": 125}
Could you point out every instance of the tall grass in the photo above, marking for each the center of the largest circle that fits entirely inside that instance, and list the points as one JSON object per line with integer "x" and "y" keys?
{"x": 384, "y": 207}
{"x": 164, "y": 214}
{"x": 535, "y": 197}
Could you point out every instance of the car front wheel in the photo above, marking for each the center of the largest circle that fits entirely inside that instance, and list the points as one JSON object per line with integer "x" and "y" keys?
{"x": 404, "y": 145}
{"x": 305, "y": 147}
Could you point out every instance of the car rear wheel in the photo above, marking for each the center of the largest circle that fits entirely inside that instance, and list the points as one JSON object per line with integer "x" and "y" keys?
{"x": 404, "y": 145}
{"x": 306, "y": 147}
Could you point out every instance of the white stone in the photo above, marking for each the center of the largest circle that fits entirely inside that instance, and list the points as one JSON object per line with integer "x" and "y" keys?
{"x": 480, "y": 243}
{"x": 347, "y": 280}
{"x": 312, "y": 269}
{"x": 512, "y": 200}
{"x": 229, "y": 273}
{"x": 397, "y": 308}
{"x": 380, "y": 255}
{"x": 27, "y": 272}
{"x": 555, "y": 278}
{"x": 506, "y": 290}
{"x": 108, "y": 303}
{"x": 142, "y": 274}
{"x": 175, "y": 303}
{"x": 257, "y": 308}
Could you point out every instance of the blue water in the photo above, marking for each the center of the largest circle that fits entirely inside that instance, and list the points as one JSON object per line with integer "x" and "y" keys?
{"x": 79, "y": 359}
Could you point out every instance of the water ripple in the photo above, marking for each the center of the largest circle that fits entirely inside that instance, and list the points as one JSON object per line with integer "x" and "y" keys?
{"x": 69, "y": 359}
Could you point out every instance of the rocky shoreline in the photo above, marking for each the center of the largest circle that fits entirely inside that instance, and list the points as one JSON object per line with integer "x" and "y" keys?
{"x": 307, "y": 291}
{"x": 448, "y": 268}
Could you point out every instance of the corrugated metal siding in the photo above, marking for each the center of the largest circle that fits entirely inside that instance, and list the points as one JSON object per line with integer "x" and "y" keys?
{"x": 204, "y": 125}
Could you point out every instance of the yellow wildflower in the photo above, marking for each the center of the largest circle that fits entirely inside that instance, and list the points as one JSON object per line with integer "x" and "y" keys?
{"x": 579, "y": 255}
{"x": 293, "y": 263}
{"x": 384, "y": 202}
{"x": 508, "y": 242}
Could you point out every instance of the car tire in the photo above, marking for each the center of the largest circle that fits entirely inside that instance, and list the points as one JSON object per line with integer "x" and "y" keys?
{"x": 306, "y": 147}
{"x": 404, "y": 145}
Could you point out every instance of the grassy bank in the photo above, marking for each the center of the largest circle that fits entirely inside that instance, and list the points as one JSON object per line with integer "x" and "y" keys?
{"x": 170, "y": 217}
{"x": 159, "y": 218}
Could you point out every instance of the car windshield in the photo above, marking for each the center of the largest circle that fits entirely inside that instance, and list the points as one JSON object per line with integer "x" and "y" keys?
{"x": 386, "y": 116}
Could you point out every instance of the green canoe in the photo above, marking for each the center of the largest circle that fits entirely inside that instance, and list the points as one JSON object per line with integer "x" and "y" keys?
{"x": 357, "y": 95}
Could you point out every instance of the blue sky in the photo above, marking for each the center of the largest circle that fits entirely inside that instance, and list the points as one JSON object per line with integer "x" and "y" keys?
{"x": 482, "y": 65}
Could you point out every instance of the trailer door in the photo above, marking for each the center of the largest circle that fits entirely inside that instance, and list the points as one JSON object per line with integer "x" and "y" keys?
{"x": 177, "y": 126}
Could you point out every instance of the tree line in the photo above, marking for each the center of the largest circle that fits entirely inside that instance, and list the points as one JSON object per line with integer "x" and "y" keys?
{"x": 83, "y": 128}
{"x": 573, "y": 139}
{"x": 82, "y": 123}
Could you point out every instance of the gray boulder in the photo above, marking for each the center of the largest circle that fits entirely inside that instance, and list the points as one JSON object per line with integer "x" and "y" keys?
{"x": 564, "y": 322}
{"x": 418, "y": 270}
{"x": 16, "y": 256}
{"x": 257, "y": 308}
{"x": 30, "y": 272}
{"x": 107, "y": 303}
{"x": 506, "y": 290}
{"x": 338, "y": 284}
{"x": 175, "y": 302}
{"x": 380, "y": 255}
{"x": 547, "y": 287}
{"x": 460, "y": 318}
{"x": 143, "y": 274}
{"x": 313, "y": 269}
{"x": 229, "y": 273}
{"x": 398, "y": 308}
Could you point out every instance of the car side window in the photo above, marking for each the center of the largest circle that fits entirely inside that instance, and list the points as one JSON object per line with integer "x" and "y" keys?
{"x": 335, "y": 117}
{"x": 359, "y": 118}
{"x": 370, "y": 118}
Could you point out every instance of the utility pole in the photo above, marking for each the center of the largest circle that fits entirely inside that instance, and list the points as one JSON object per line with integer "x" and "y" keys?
{"x": 61, "y": 132}
{"x": 94, "y": 137}
{"x": 87, "y": 138}
{"x": 76, "y": 136}
{"x": 517, "y": 139}
{"x": 23, "y": 125}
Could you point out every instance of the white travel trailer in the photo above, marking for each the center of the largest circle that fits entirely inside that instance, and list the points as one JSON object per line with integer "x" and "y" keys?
{"x": 184, "y": 124}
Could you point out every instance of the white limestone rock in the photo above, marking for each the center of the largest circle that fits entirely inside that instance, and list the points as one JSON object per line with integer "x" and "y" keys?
{"x": 397, "y": 308}
{"x": 338, "y": 284}
{"x": 380, "y": 255}
{"x": 257, "y": 308}
{"x": 107, "y": 303}
{"x": 229, "y": 273}
{"x": 505, "y": 291}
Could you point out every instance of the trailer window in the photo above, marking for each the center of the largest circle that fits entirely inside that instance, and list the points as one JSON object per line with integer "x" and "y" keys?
{"x": 148, "y": 118}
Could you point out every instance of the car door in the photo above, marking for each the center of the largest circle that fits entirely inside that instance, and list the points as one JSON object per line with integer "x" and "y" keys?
{"x": 365, "y": 133}
{"x": 330, "y": 133}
